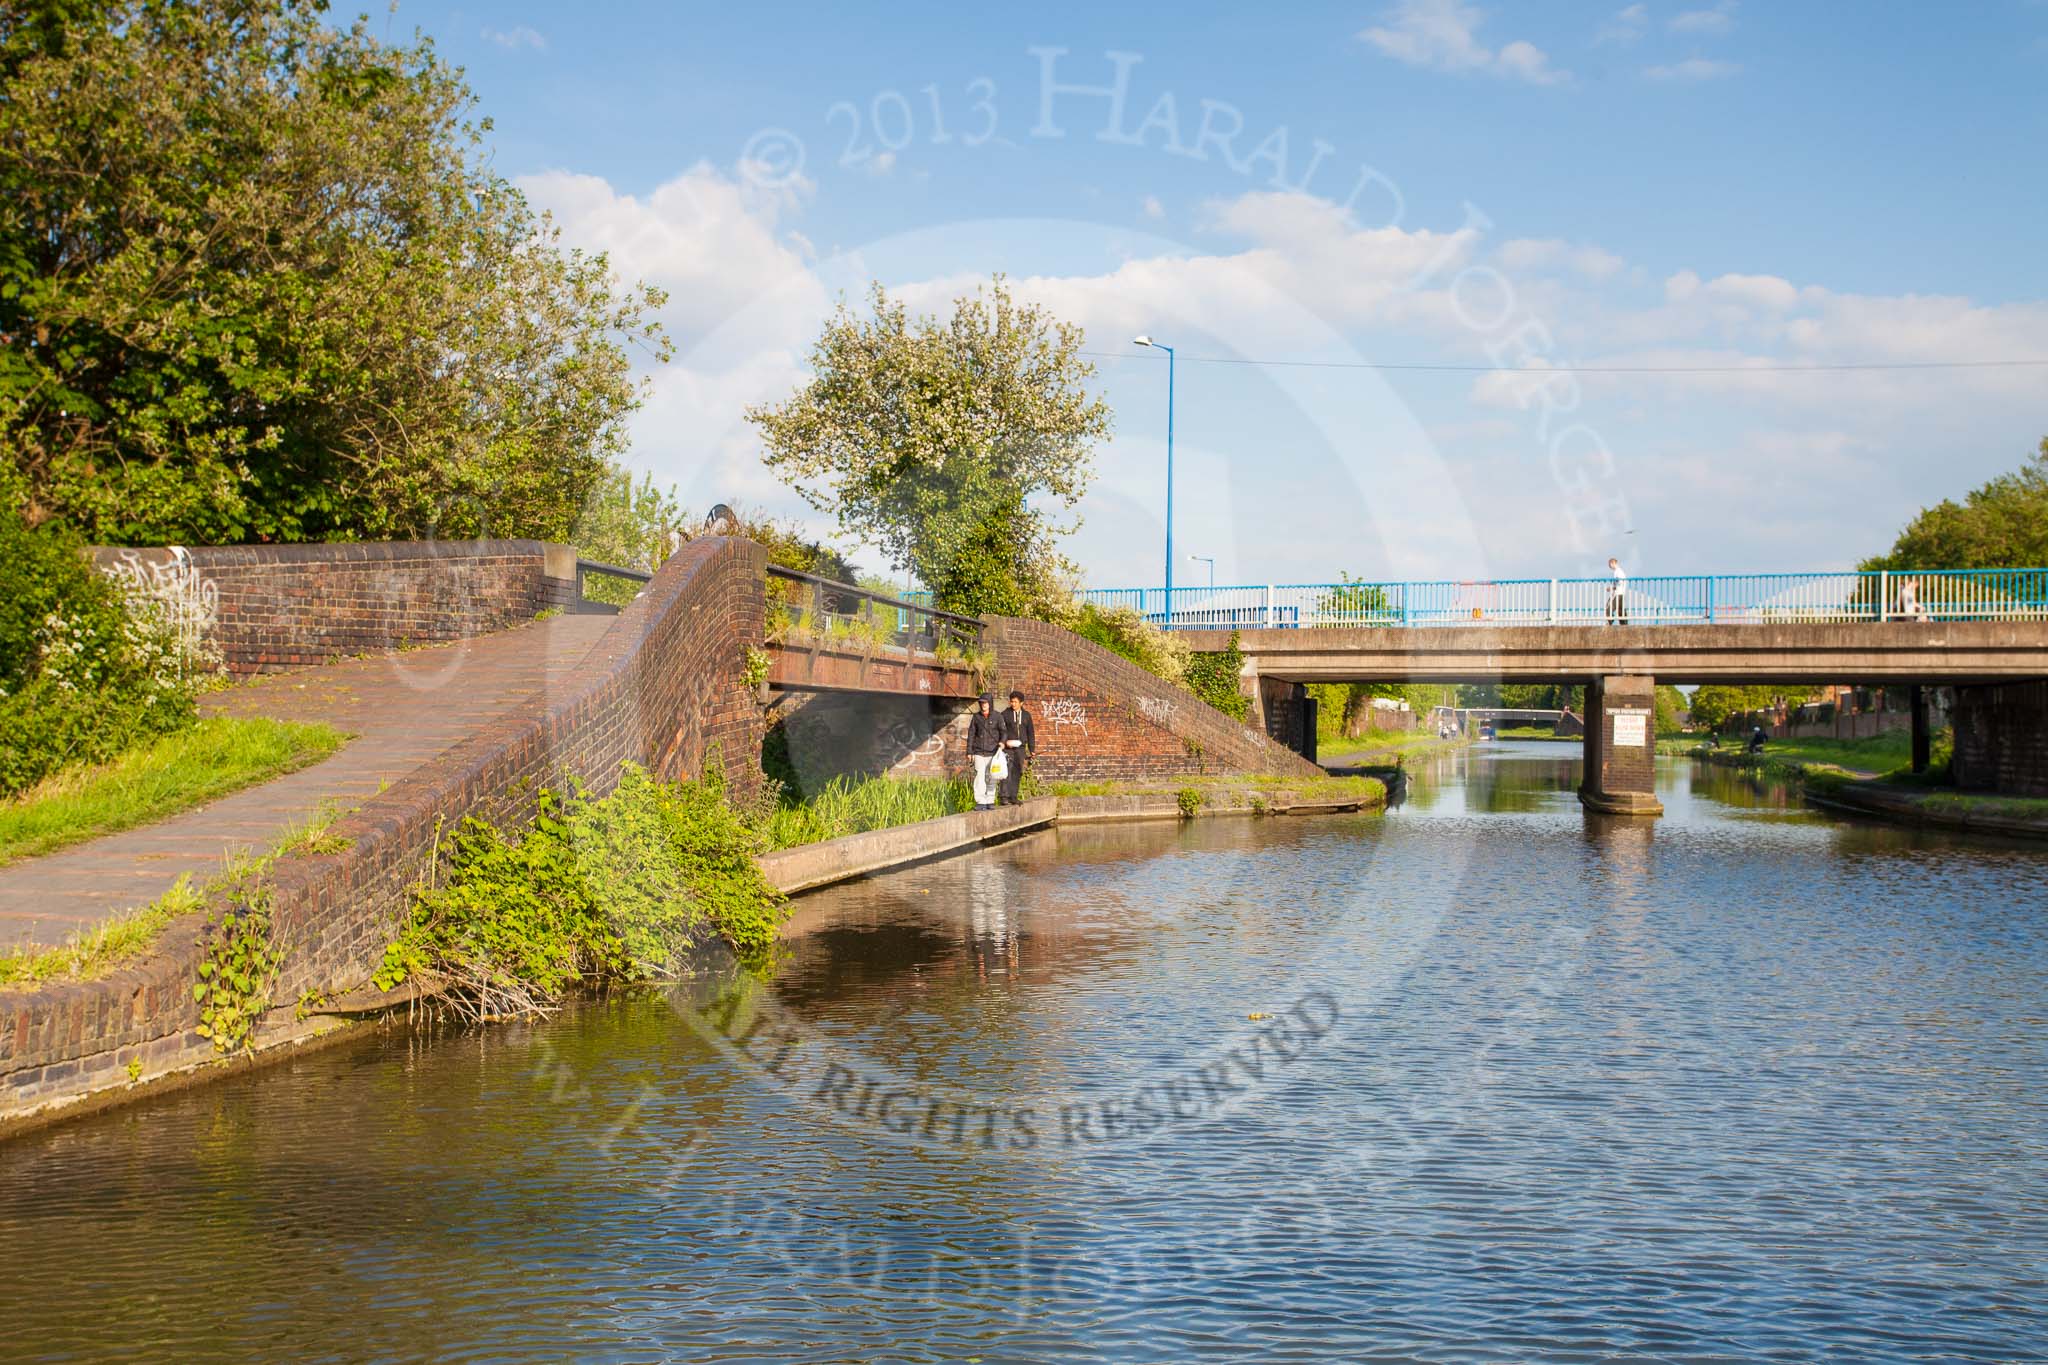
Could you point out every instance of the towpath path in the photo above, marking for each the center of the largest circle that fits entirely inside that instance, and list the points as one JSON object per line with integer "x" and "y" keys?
{"x": 404, "y": 710}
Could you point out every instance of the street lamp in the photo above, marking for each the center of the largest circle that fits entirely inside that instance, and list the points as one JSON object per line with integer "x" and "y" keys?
{"x": 1148, "y": 341}
{"x": 1210, "y": 560}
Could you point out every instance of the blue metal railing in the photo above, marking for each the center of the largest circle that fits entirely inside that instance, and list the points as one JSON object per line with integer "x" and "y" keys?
{"x": 1696, "y": 599}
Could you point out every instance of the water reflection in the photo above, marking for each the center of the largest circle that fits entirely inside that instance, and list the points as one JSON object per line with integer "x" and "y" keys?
{"x": 1747, "y": 1081}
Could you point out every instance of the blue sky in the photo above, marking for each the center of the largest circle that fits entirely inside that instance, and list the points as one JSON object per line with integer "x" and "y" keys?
{"x": 1430, "y": 182}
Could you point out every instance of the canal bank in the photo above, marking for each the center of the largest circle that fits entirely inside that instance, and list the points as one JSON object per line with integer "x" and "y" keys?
{"x": 316, "y": 1021}
{"x": 1593, "y": 1088}
{"x": 1868, "y": 793}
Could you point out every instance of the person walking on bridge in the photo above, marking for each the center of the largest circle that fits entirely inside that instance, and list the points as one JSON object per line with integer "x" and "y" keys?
{"x": 1617, "y": 596}
{"x": 984, "y": 742}
{"x": 1020, "y": 743}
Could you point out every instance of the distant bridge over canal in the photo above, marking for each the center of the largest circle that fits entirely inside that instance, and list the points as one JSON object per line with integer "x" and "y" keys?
{"x": 1984, "y": 632}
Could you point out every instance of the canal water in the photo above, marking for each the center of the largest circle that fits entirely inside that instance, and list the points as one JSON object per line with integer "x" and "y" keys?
{"x": 1748, "y": 1082}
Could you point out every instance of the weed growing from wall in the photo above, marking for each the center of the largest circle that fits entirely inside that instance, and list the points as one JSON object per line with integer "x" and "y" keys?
{"x": 235, "y": 977}
{"x": 614, "y": 889}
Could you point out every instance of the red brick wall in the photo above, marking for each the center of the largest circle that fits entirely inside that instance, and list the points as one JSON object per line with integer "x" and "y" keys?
{"x": 664, "y": 686}
{"x": 857, "y": 734}
{"x": 289, "y": 606}
{"x": 2002, "y": 738}
{"x": 1099, "y": 716}
{"x": 1612, "y": 767}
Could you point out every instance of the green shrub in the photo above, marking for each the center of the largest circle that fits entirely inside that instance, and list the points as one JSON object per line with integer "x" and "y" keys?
{"x": 1213, "y": 677}
{"x": 1189, "y": 799}
{"x": 84, "y": 671}
{"x": 1122, "y": 630}
{"x": 614, "y": 889}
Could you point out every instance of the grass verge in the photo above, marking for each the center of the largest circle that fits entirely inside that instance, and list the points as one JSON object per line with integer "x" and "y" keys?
{"x": 1880, "y": 755}
{"x": 219, "y": 755}
{"x": 1339, "y": 749}
{"x": 102, "y": 949}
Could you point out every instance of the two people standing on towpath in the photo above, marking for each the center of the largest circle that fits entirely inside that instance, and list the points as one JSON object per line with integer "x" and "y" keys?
{"x": 1009, "y": 735}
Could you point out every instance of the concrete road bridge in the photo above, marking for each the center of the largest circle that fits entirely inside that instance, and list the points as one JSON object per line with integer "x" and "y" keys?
{"x": 1983, "y": 632}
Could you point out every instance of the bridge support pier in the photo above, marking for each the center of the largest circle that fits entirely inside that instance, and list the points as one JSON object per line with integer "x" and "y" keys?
{"x": 1621, "y": 737}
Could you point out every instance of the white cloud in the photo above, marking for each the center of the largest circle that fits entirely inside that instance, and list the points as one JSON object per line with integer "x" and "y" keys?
{"x": 1532, "y": 253}
{"x": 1692, "y": 69}
{"x": 1761, "y": 291}
{"x": 715, "y": 242}
{"x": 744, "y": 301}
{"x": 1719, "y": 19}
{"x": 1441, "y": 35}
{"x": 516, "y": 38}
{"x": 1626, "y": 26}
{"x": 1152, "y": 208}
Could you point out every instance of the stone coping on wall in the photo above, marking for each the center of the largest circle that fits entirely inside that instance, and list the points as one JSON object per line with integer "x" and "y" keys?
{"x": 352, "y": 552}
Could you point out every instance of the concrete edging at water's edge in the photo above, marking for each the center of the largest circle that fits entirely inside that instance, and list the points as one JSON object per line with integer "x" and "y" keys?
{"x": 1908, "y": 806}
{"x": 808, "y": 867}
{"x": 1882, "y": 800}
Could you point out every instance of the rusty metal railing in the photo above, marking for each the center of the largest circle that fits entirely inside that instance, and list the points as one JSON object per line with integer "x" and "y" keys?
{"x": 804, "y": 608}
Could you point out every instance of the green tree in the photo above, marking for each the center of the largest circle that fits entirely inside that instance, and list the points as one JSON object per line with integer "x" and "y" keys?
{"x": 1714, "y": 706}
{"x": 1352, "y": 602}
{"x": 258, "y": 282}
{"x": 2003, "y": 524}
{"x": 939, "y": 441}
{"x": 1670, "y": 705}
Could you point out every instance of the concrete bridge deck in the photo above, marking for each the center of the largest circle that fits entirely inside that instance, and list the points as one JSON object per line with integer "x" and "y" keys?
{"x": 1897, "y": 652}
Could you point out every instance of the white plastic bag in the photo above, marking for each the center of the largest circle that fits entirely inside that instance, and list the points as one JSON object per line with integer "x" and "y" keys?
{"x": 999, "y": 766}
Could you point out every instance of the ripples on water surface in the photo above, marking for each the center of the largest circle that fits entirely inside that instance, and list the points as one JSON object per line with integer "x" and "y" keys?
{"x": 1743, "y": 1083}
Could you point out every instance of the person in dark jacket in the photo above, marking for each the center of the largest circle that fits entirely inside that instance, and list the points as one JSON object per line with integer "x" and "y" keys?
{"x": 1020, "y": 742}
{"x": 984, "y": 742}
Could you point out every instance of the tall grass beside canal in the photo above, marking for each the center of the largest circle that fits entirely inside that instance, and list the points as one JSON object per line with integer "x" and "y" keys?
{"x": 857, "y": 805}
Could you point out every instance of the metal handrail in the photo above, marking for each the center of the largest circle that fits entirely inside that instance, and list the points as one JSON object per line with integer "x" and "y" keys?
{"x": 1696, "y": 599}
{"x": 583, "y": 605}
{"x": 584, "y": 566}
{"x": 827, "y": 593}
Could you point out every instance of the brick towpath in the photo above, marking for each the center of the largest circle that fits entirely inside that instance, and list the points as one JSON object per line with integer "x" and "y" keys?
{"x": 404, "y": 710}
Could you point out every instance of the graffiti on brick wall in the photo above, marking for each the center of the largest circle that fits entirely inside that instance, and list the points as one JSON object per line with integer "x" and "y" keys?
{"x": 179, "y": 596}
{"x": 899, "y": 741}
{"x": 1158, "y": 710}
{"x": 1065, "y": 711}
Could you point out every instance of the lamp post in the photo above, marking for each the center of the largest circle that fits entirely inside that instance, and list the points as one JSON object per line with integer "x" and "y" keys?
{"x": 1210, "y": 560}
{"x": 1148, "y": 341}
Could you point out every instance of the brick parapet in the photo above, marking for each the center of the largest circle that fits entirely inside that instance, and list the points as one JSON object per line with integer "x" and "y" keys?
{"x": 278, "y": 607}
